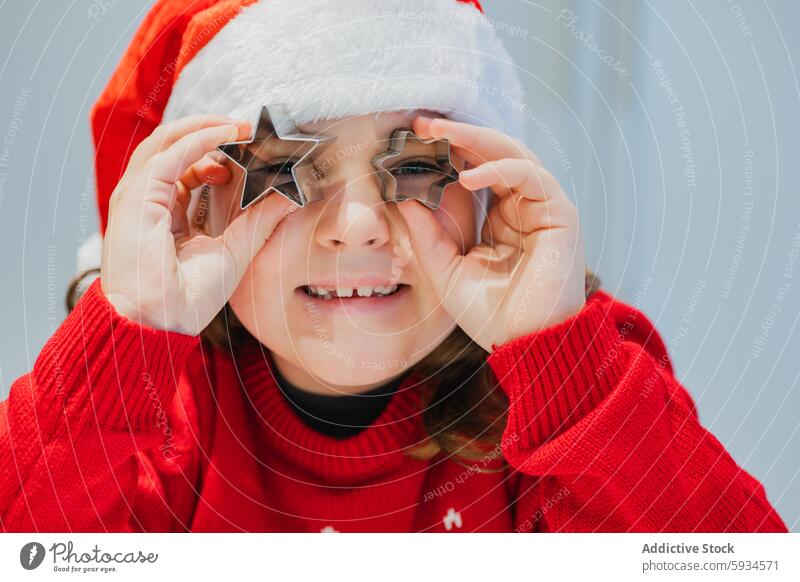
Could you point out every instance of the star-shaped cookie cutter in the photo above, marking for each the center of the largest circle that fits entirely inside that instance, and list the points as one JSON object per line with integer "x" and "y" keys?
{"x": 274, "y": 121}
{"x": 397, "y": 144}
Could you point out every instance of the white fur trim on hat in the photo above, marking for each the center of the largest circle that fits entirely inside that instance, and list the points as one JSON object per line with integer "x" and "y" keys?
{"x": 328, "y": 59}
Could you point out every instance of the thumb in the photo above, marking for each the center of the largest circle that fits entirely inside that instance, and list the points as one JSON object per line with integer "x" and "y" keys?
{"x": 437, "y": 253}
{"x": 248, "y": 232}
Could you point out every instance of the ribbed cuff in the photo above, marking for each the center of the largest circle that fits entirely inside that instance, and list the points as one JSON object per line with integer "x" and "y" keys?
{"x": 101, "y": 364}
{"x": 554, "y": 377}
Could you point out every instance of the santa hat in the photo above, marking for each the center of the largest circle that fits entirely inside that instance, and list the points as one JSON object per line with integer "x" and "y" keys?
{"x": 323, "y": 59}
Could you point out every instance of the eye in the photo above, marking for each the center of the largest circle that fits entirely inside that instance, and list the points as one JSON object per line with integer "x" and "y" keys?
{"x": 277, "y": 167}
{"x": 415, "y": 168}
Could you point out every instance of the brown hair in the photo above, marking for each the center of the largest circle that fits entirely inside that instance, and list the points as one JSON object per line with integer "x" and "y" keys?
{"x": 464, "y": 408}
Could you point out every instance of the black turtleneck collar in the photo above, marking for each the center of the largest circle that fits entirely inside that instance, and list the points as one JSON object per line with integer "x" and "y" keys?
{"x": 338, "y": 416}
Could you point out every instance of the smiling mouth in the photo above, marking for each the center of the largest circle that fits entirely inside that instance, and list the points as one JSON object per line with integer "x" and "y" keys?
{"x": 360, "y": 292}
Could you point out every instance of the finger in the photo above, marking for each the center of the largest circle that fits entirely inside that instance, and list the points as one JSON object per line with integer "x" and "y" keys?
{"x": 169, "y": 166}
{"x": 436, "y": 251}
{"x": 207, "y": 171}
{"x": 167, "y": 134}
{"x": 476, "y": 144}
{"x": 179, "y": 223}
{"x": 497, "y": 230}
{"x": 512, "y": 176}
{"x": 182, "y": 196}
{"x": 528, "y": 216}
{"x": 184, "y": 206}
{"x": 248, "y": 232}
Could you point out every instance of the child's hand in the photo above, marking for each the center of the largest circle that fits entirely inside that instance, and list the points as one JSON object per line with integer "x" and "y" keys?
{"x": 156, "y": 269}
{"x": 528, "y": 272}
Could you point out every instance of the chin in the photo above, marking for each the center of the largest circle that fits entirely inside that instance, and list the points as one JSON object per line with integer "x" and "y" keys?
{"x": 355, "y": 366}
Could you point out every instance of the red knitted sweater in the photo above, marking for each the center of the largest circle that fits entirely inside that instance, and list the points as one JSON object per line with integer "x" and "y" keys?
{"x": 124, "y": 428}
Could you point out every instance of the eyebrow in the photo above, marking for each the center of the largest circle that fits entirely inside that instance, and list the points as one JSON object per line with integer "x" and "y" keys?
{"x": 273, "y": 147}
{"x": 384, "y": 135}
{"x": 286, "y": 148}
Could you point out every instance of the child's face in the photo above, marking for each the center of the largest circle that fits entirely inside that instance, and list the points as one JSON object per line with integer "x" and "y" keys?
{"x": 349, "y": 240}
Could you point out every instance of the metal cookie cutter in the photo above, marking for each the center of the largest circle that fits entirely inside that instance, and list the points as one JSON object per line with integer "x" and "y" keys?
{"x": 403, "y": 182}
{"x": 277, "y": 158}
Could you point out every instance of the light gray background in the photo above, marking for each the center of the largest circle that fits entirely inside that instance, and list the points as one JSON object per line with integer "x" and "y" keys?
{"x": 678, "y": 247}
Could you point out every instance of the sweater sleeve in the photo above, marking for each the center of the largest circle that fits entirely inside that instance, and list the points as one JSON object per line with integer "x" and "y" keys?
{"x": 608, "y": 440}
{"x": 75, "y": 430}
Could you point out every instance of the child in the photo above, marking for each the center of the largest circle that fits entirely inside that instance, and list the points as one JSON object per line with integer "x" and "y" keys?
{"x": 357, "y": 364}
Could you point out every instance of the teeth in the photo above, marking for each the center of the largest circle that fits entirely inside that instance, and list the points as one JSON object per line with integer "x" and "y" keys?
{"x": 385, "y": 290}
{"x": 319, "y": 292}
{"x": 363, "y": 291}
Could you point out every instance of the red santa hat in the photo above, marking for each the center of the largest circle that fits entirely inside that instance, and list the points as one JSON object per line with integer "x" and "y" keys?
{"x": 323, "y": 59}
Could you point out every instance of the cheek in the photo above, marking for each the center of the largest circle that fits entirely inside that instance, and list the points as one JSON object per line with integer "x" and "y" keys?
{"x": 458, "y": 214}
{"x": 339, "y": 350}
{"x": 256, "y": 301}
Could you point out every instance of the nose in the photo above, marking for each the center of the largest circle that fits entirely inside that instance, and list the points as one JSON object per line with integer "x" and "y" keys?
{"x": 354, "y": 216}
